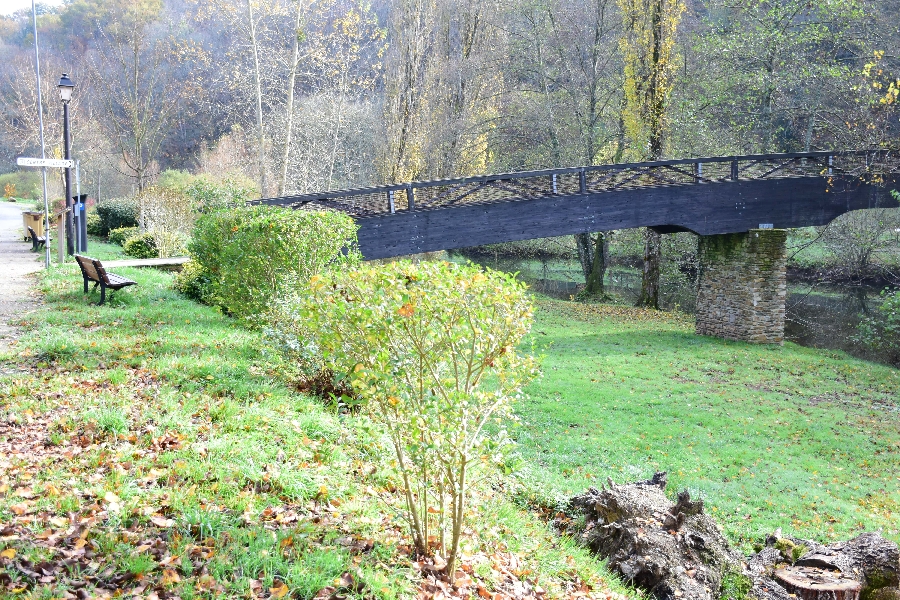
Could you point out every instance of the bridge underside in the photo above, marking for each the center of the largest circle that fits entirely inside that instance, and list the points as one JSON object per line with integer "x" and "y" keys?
{"x": 706, "y": 209}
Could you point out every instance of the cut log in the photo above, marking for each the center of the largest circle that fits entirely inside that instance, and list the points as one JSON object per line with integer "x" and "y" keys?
{"x": 813, "y": 583}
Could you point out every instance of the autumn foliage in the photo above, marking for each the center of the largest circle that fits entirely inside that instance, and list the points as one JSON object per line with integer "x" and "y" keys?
{"x": 431, "y": 349}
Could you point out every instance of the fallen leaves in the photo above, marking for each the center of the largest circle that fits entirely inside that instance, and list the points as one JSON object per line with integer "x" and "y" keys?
{"x": 162, "y": 521}
{"x": 100, "y": 514}
{"x": 504, "y": 578}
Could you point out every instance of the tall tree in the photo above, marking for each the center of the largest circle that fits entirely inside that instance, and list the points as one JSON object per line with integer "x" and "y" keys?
{"x": 134, "y": 65}
{"x": 257, "y": 86}
{"x": 443, "y": 88}
{"x": 647, "y": 44}
{"x": 773, "y": 75}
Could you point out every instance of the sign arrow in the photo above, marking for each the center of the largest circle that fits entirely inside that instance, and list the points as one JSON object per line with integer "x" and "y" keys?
{"x": 45, "y": 162}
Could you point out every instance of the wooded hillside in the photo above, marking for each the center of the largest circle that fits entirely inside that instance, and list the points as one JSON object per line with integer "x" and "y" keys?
{"x": 341, "y": 93}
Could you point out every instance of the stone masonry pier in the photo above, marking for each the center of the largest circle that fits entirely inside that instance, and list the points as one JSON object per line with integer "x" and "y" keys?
{"x": 743, "y": 286}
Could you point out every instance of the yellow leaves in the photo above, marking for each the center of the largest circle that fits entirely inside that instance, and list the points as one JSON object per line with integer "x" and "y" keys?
{"x": 9, "y": 553}
{"x": 279, "y": 590}
{"x": 169, "y": 577}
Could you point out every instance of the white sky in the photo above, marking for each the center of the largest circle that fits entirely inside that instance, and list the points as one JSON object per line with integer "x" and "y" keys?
{"x": 10, "y": 6}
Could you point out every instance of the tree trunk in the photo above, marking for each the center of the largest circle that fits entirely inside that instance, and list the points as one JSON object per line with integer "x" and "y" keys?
{"x": 259, "y": 116}
{"x": 292, "y": 79}
{"x": 594, "y": 281}
{"x": 650, "y": 283}
{"x": 811, "y": 583}
{"x": 585, "y": 253}
{"x": 593, "y": 255}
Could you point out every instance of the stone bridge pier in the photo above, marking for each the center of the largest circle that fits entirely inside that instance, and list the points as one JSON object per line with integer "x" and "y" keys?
{"x": 743, "y": 286}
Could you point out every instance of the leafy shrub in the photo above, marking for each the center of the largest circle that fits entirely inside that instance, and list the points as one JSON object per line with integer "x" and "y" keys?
{"x": 206, "y": 193}
{"x": 141, "y": 246}
{"x": 168, "y": 216}
{"x": 21, "y": 184}
{"x": 252, "y": 255}
{"x": 193, "y": 281}
{"x": 122, "y": 234}
{"x": 116, "y": 213}
{"x": 94, "y": 223}
{"x": 231, "y": 192}
{"x": 175, "y": 180}
{"x": 881, "y": 330}
{"x": 431, "y": 350}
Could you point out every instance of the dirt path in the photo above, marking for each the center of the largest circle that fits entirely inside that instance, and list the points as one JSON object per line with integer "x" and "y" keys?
{"x": 17, "y": 295}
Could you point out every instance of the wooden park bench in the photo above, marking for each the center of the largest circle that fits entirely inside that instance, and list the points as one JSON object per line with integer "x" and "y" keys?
{"x": 36, "y": 242}
{"x": 92, "y": 270}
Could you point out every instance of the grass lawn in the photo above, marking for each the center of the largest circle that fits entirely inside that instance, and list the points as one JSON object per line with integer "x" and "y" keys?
{"x": 790, "y": 437}
{"x": 153, "y": 446}
{"x": 103, "y": 250}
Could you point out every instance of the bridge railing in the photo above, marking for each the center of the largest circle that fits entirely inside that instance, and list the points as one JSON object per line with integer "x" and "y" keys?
{"x": 424, "y": 195}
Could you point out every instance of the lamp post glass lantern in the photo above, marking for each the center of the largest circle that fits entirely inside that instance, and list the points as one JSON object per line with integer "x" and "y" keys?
{"x": 66, "y": 86}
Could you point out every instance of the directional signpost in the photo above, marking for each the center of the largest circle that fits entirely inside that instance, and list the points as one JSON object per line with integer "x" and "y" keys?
{"x": 24, "y": 161}
{"x": 59, "y": 163}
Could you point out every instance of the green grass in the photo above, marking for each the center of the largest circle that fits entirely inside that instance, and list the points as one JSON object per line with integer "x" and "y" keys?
{"x": 102, "y": 250}
{"x": 170, "y": 431}
{"x": 769, "y": 436}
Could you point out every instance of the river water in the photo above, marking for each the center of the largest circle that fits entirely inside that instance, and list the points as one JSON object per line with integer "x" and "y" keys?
{"x": 817, "y": 316}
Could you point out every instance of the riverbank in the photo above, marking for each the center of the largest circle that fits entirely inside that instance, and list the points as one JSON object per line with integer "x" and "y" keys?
{"x": 803, "y": 439}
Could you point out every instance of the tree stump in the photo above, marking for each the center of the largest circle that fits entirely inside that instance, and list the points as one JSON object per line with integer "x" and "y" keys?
{"x": 812, "y": 583}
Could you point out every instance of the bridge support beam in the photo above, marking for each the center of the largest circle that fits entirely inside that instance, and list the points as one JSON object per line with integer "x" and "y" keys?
{"x": 743, "y": 286}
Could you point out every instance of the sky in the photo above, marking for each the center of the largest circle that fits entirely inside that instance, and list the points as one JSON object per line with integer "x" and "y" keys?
{"x": 10, "y": 6}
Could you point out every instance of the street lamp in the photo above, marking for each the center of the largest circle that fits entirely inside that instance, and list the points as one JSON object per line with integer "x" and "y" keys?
{"x": 66, "y": 86}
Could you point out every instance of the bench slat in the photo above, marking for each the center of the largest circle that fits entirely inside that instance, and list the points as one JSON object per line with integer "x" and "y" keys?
{"x": 118, "y": 280}
{"x": 87, "y": 268}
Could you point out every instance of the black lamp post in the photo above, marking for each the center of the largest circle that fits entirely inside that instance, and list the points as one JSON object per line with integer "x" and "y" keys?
{"x": 65, "y": 87}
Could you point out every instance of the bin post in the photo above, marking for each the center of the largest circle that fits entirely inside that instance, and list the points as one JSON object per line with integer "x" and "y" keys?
{"x": 61, "y": 238}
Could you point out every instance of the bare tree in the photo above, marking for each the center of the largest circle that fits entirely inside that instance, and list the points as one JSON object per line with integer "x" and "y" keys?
{"x": 134, "y": 66}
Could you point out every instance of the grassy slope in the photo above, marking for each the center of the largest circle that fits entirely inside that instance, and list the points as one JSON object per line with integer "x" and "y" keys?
{"x": 770, "y": 437}
{"x": 152, "y": 444}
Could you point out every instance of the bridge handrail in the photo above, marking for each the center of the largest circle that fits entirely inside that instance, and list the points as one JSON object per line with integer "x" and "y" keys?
{"x": 300, "y": 199}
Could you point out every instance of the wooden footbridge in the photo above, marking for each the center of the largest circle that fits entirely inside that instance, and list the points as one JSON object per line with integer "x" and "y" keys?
{"x": 707, "y": 196}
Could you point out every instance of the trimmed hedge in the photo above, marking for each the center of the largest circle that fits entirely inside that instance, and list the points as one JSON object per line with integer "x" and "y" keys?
{"x": 248, "y": 256}
{"x": 94, "y": 223}
{"x": 122, "y": 234}
{"x": 115, "y": 214}
{"x": 141, "y": 246}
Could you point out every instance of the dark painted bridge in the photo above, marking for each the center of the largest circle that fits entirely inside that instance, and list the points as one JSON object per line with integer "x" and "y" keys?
{"x": 707, "y": 196}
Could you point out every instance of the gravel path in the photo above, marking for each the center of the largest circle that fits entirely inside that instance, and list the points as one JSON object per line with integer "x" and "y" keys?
{"x": 17, "y": 294}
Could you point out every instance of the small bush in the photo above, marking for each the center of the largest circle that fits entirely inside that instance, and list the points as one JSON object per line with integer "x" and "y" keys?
{"x": 252, "y": 255}
{"x": 209, "y": 195}
{"x": 94, "y": 224}
{"x": 141, "y": 246}
{"x": 193, "y": 281}
{"x": 169, "y": 216}
{"x": 881, "y": 330}
{"x": 122, "y": 234}
{"x": 431, "y": 351}
{"x": 116, "y": 213}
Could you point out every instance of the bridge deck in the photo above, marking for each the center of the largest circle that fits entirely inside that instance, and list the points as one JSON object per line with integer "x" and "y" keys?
{"x": 704, "y": 195}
